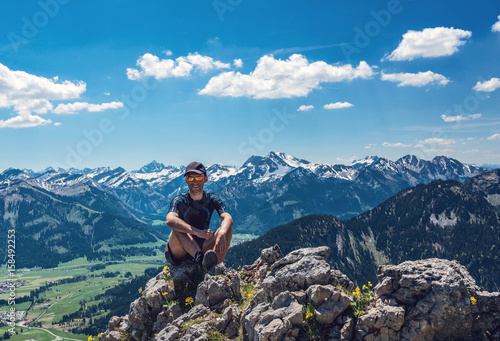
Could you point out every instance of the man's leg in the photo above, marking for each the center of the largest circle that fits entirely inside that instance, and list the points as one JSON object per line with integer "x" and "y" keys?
{"x": 209, "y": 244}
{"x": 181, "y": 244}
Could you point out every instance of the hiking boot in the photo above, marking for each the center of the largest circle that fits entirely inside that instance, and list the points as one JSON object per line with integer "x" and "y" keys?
{"x": 209, "y": 260}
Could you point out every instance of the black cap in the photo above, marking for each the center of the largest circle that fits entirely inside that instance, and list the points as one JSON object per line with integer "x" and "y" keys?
{"x": 196, "y": 167}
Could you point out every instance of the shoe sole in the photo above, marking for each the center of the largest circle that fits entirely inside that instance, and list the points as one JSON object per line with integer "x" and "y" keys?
{"x": 209, "y": 260}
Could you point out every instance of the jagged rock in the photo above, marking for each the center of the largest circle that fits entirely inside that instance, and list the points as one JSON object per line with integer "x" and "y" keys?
{"x": 186, "y": 277}
{"x": 256, "y": 272}
{"x": 338, "y": 278}
{"x": 433, "y": 295}
{"x": 215, "y": 290}
{"x": 229, "y": 323}
{"x": 381, "y": 323}
{"x": 170, "y": 333}
{"x": 166, "y": 317}
{"x": 273, "y": 321}
{"x": 329, "y": 302}
{"x": 196, "y": 332}
{"x": 298, "y": 270}
{"x": 420, "y": 300}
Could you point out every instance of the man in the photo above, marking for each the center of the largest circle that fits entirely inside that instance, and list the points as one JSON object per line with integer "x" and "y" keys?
{"x": 189, "y": 218}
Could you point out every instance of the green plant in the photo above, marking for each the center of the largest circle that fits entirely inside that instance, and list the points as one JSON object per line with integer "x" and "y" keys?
{"x": 361, "y": 299}
{"x": 168, "y": 304}
{"x": 214, "y": 335}
{"x": 188, "y": 324}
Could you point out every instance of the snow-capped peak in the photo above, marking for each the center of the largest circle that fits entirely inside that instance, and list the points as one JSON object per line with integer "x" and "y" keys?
{"x": 366, "y": 161}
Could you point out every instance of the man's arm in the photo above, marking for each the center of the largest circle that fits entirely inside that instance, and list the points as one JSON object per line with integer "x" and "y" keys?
{"x": 179, "y": 225}
{"x": 220, "y": 243}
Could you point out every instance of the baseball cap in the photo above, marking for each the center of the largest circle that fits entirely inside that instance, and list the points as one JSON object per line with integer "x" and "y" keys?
{"x": 196, "y": 167}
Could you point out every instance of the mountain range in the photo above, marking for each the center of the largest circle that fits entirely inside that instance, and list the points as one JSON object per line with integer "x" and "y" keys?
{"x": 443, "y": 219}
{"x": 262, "y": 193}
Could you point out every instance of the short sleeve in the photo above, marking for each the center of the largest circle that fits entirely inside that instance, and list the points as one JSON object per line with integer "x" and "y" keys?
{"x": 218, "y": 204}
{"x": 174, "y": 204}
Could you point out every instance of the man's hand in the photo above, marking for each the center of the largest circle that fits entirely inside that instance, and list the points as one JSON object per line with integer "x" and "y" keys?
{"x": 205, "y": 234}
{"x": 220, "y": 244}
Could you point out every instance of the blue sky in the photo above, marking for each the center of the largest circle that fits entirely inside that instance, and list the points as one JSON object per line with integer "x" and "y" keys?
{"x": 122, "y": 83}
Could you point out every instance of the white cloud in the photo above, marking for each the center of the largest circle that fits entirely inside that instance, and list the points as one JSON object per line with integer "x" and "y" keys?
{"x": 337, "y": 105}
{"x": 396, "y": 145}
{"x": 487, "y": 86}
{"x": 435, "y": 141}
{"x": 107, "y": 93}
{"x": 168, "y": 53}
{"x": 276, "y": 78}
{"x": 238, "y": 63}
{"x": 496, "y": 26}
{"x": 494, "y": 137}
{"x": 430, "y": 42}
{"x": 152, "y": 66}
{"x": 58, "y": 124}
{"x": 24, "y": 121}
{"x": 459, "y": 118}
{"x": 415, "y": 79}
{"x": 305, "y": 107}
{"x": 28, "y": 94}
{"x": 73, "y": 108}
{"x": 370, "y": 146}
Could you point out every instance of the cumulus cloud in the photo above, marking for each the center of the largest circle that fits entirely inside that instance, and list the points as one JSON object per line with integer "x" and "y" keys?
{"x": 276, "y": 78}
{"x": 396, "y": 145}
{"x": 494, "y": 137}
{"x": 415, "y": 79}
{"x": 435, "y": 141}
{"x": 305, "y": 107}
{"x": 459, "y": 118}
{"x": 487, "y": 86}
{"x": 24, "y": 121}
{"x": 152, "y": 66}
{"x": 337, "y": 105}
{"x": 430, "y": 42}
{"x": 30, "y": 96}
{"x": 73, "y": 108}
{"x": 238, "y": 63}
{"x": 496, "y": 26}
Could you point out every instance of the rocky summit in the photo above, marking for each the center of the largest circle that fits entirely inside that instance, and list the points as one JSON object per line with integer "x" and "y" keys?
{"x": 300, "y": 297}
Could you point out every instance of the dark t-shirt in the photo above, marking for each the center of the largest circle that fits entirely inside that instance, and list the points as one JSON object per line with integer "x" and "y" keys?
{"x": 197, "y": 213}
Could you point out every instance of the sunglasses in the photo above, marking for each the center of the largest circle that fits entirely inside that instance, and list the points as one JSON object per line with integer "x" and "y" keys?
{"x": 197, "y": 178}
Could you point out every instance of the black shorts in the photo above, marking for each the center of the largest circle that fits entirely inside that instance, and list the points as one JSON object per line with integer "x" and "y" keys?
{"x": 175, "y": 261}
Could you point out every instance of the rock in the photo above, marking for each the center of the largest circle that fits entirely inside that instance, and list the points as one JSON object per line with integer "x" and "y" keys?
{"x": 186, "y": 277}
{"x": 166, "y": 317}
{"x": 433, "y": 295}
{"x": 256, "y": 272}
{"x": 229, "y": 323}
{"x": 298, "y": 270}
{"x": 194, "y": 313}
{"x": 273, "y": 321}
{"x": 113, "y": 336}
{"x": 215, "y": 290}
{"x": 337, "y": 278}
{"x": 343, "y": 329}
{"x": 196, "y": 332}
{"x": 329, "y": 302}
{"x": 170, "y": 333}
{"x": 381, "y": 323}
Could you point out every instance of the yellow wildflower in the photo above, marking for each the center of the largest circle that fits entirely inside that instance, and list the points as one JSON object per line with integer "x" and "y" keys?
{"x": 189, "y": 301}
{"x": 249, "y": 296}
{"x": 369, "y": 283}
{"x": 364, "y": 287}
{"x": 473, "y": 300}
{"x": 164, "y": 293}
{"x": 90, "y": 338}
{"x": 140, "y": 290}
{"x": 309, "y": 315}
{"x": 99, "y": 335}
{"x": 165, "y": 268}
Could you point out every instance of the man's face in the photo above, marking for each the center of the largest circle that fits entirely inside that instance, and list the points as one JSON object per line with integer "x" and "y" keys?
{"x": 197, "y": 181}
